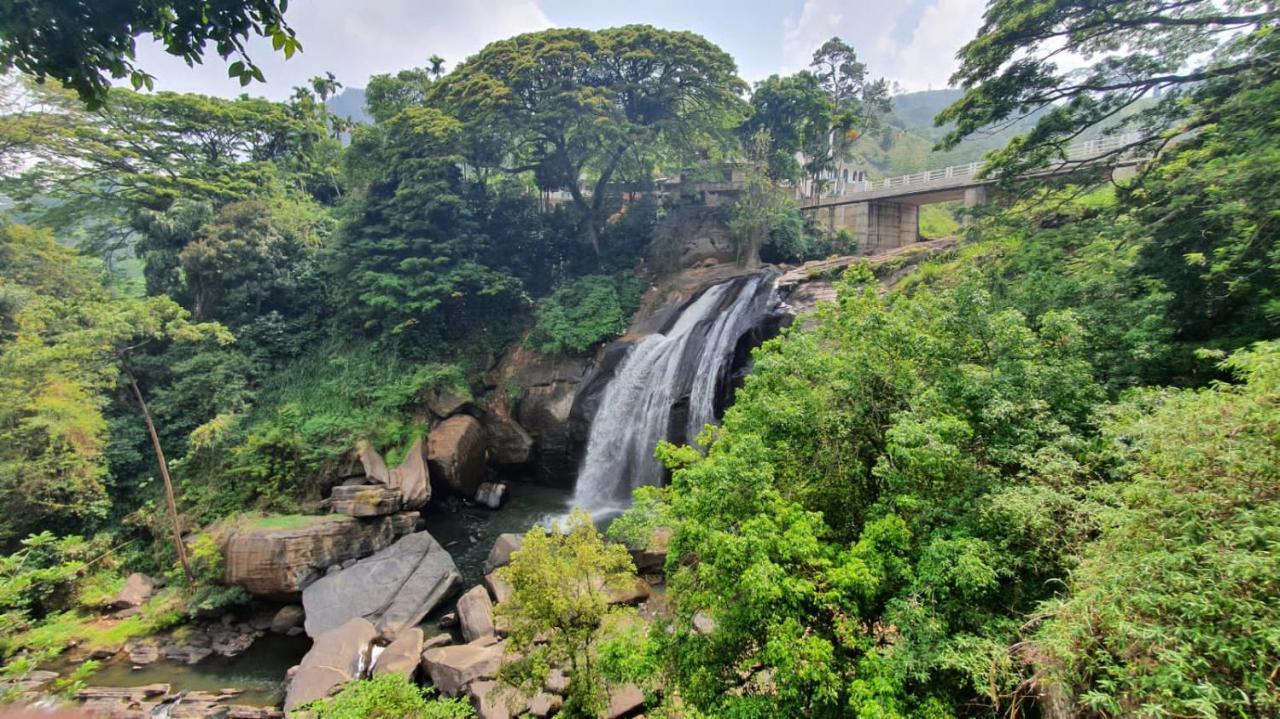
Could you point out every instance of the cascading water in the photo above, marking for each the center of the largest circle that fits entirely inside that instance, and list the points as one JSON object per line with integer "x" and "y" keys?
{"x": 688, "y": 359}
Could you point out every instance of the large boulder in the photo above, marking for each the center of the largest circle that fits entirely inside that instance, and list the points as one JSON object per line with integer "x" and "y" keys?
{"x": 447, "y": 400}
{"x": 411, "y": 478}
{"x": 452, "y": 668}
{"x": 275, "y": 557}
{"x": 475, "y": 613}
{"x": 368, "y": 500}
{"x": 456, "y": 454}
{"x": 137, "y": 589}
{"x": 337, "y": 657}
{"x": 500, "y": 553}
{"x": 402, "y": 656}
{"x": 394, "y": 588}
{"x": 624, "y": 701}
{"x": 509, "y": 444}
{"x": 492, "y": 700}
{"x": 286, "y": 618}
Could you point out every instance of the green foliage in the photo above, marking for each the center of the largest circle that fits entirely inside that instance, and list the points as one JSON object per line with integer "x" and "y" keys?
{"x": 559, "y": 609}
{"x": 308, "y": 417}
{"x": 65, "y": 341}
{"x": 584, "y": 312}
{"x": 937, "y": 221}
{"x": 1174, "y": 608}
{"x": 650, "y": 510}
{"x": 1013, "y": 69}
{"x": 413, "y": 260}
{"x": 95, "y": 42}
{"x": 209, "y": 594}
{"x": 387, "y": 697}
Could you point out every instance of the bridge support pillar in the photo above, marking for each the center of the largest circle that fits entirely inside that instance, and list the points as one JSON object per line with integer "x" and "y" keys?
{"x": 975, "y": 196}
{"x": 877, "y": 226}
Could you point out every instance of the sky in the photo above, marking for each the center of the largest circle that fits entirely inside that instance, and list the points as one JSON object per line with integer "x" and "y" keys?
{"x": 911, "y": 42}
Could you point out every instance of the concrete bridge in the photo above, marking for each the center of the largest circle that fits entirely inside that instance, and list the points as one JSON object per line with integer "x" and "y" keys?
{"x": 885, "y": 214}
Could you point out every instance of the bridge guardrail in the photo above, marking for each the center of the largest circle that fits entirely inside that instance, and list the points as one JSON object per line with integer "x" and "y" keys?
{"x": 1079, "y": 152}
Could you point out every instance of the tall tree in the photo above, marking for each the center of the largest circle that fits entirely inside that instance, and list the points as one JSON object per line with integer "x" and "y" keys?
{"x": 65, "y": 340}
{"x": 797, "y": 116}
{"x": 1140, "y": 49}
{"x": 858, "y": 103}
{"x": 584, "y": 109}
{"x": 84, "y": 43}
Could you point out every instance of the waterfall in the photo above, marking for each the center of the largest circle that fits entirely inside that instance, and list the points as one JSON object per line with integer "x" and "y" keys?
{"x": 687, "y": 360}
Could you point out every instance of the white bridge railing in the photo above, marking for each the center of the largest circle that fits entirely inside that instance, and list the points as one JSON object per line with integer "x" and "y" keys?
{"x": 956, "y": 174}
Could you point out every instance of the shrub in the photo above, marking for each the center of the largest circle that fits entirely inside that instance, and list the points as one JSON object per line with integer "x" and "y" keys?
{"x": 388, "y": 697}
{"x": 585, "y": 312}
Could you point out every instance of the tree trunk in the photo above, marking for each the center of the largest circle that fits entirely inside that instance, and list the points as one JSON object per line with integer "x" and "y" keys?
{"x": 164, "y": 474}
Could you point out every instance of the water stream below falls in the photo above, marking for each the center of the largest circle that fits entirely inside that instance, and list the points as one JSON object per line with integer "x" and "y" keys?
{"x": 666, "y": 387}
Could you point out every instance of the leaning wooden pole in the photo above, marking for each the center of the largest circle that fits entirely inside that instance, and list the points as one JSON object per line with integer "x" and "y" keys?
{"x": 164, "y": 474}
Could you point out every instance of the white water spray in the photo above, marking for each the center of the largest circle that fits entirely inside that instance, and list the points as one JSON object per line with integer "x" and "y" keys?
{"x": 688, "y": 359}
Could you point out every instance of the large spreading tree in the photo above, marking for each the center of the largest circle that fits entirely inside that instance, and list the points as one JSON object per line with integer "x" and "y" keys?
{"x": 584, "y": 110}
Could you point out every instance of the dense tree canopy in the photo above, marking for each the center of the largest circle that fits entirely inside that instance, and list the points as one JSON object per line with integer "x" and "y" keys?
{"x": 584, "y": 110}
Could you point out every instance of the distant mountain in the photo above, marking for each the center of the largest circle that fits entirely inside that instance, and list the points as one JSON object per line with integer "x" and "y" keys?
{"x": 916, "y": 110}
{"x": 349, "y": 104}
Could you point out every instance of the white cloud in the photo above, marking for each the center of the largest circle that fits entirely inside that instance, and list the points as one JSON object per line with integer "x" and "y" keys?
{"x": 896, "y": 40}
{"x": 355, "y": 40}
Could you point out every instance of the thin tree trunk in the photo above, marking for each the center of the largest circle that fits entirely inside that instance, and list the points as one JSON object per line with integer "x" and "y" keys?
{"x": 164, "y": 474}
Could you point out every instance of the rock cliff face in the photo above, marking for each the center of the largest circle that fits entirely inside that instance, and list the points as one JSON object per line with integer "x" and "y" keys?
{"x": 548, "y": 388}
{"x": 275, "y": 557}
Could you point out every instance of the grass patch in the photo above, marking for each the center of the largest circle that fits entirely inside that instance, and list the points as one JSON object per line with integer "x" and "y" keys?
{"x": 938, "y": 221}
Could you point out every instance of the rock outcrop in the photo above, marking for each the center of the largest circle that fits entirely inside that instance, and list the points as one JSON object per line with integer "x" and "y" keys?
{"x": 410, "y": 478}
{"x": 365, "y": 500}
{"x": 286, "y": 618}
{"x": 337, "y": 657}
{"x": 394, "y": 589}
{"x": 452, "y": 668}
{"x": 456, "y": 454}
{"x": 653, "y": 558}
{"x": 549, "y": 386}
{"x": 275, "y": 557}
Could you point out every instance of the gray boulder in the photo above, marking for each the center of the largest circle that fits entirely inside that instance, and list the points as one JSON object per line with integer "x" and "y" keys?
{"x": 137, "y": 589}
{"x": 288, "y": 617}
{"x": 395, "y": 588}
{"x": 337, "y": 657}
{"x": 509, "y": 444}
